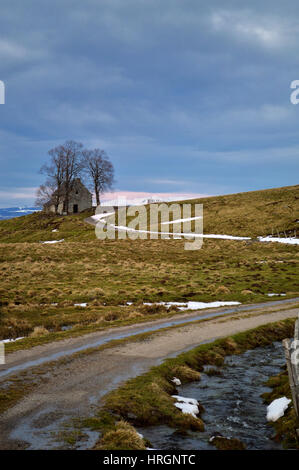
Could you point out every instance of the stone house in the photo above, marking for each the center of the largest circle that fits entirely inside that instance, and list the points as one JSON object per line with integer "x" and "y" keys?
{"x": 80, "y": 199}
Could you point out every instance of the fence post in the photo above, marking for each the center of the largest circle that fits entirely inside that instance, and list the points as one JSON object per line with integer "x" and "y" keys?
{"x": 2, "y": 353}
{"x": 291, "y": 351}
{"x": 292, "y": 377}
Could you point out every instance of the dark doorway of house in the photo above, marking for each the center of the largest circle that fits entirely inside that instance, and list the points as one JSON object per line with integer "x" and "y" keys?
{"x": 75, "y": 209}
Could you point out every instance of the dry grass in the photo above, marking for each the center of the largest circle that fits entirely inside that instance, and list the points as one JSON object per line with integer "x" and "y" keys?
{"x": 136, "y": 271}
{"x": 39, "y": 331}
{"x": 186, "y": 374}
{"x": 108, "y": 274}
{"x": 223, "y": 443}
{"x": 123, "y": 437}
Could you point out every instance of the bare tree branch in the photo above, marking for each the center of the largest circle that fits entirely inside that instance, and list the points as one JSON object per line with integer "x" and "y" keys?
{"x": 45, "y": 194}
{"x": 100, "y": 171}
{"x": 65, "y": 165}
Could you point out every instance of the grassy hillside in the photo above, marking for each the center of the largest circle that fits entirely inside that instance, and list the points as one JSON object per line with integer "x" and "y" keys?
{"x": 252, "y": 213}
{"x": 40, "y": 284}
{"x": 245, "y": 214}
{"x": 38, "y": 227}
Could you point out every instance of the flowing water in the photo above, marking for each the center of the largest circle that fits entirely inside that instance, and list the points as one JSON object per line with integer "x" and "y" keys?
{"x": 232, "y": 402}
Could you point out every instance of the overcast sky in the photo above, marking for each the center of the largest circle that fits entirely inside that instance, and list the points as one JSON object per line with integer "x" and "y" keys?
{"x": 185, "y": 96}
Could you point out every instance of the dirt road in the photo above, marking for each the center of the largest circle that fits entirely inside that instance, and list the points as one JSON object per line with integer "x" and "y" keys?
{"x": 73, "y": 389}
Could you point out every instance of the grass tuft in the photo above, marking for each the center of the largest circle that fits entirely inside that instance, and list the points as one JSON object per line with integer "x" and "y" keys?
{"x": 122, "y": 437}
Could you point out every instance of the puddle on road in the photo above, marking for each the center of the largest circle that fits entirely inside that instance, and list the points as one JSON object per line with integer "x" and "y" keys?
{"x": 46, "y": 430}
{"x": 42, "y": 428}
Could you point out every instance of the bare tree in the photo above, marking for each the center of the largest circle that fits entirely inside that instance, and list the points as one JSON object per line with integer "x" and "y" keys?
{"x": 65, "y": 165}
{"x": 47, "y": 193}
{"x": 71, "y": 154}
{"x": 53, "y": 188}
{"x": 100, "y": 171}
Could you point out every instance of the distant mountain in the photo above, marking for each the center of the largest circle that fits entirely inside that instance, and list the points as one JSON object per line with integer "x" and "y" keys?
{"x": 11, "y": 212}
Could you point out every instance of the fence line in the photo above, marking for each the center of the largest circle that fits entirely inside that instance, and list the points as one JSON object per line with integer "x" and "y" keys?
{"x": 291, "y": 350}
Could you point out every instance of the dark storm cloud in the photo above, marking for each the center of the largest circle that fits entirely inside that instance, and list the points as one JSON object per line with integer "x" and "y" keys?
{"x": 194, "y": 92}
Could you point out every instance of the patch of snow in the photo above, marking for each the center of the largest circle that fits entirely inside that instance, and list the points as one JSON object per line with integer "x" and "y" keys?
{"x": 187, "y": 408}
{"x": 176, "y": 381}
{"x": 177, "y": 234}
{"x": 140, "y": 435}
{"x": 81, "y": 305}
{"x": 55, "y": 230}
{"x": 200, "y": 305}
{"x": 277, "y": 408}
{"x": 187, "y": 405}
{"x": 226, "y": 237}
{"x": 52, "y": 241}
{"x": 27, "y": 210}
{"x": 218, "y": 436}
{"x": 98, "y": 217}
{"x": 288, "y": 241}
{"x": 273, "y": 295}
{"x": 101, "y": 216}
{"x": 11, "y": 340}
{"x": 193, "y": 305}
{"x": 191, "y": 401}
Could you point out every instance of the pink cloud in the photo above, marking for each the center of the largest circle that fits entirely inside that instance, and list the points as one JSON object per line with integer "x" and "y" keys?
{"x": 140, "y": 194}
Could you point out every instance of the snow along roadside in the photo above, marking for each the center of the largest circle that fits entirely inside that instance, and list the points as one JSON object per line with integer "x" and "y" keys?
{"x": 100, "y": 217}
{"x": 191, "y": 305}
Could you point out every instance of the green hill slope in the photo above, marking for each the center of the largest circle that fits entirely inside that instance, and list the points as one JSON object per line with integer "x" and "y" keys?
{"x": 42, "y": 286}
{"x": 38, "y": 227}
{"x": 252, "y": 213}
{"x": 244, "y": 214}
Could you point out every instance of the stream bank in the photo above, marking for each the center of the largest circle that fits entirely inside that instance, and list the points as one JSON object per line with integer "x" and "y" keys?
{"x": 146, "y": 402}
{"x": 231, "y": 397}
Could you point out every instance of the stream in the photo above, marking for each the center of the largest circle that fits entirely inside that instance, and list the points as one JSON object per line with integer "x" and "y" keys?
{"x": 232, "y": 402}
